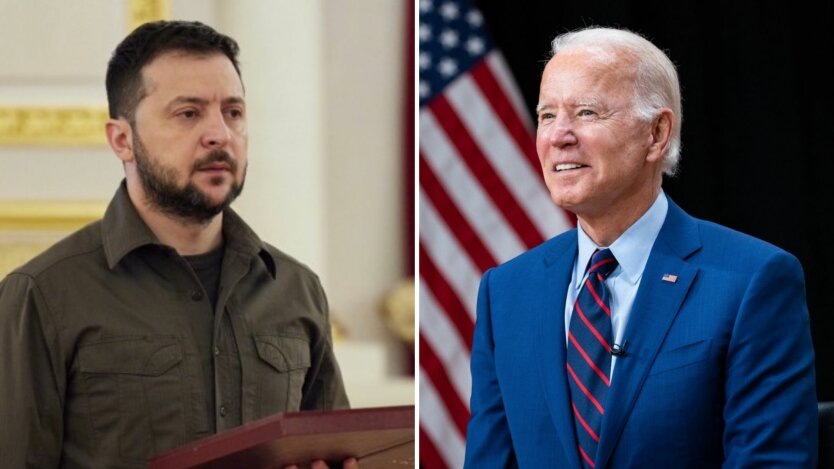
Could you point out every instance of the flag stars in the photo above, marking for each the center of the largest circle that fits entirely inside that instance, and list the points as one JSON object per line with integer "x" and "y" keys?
{"x": 474, "y": 18}
{"x": 449, "y": 11}
{"x": 449, "y": 38}
{"x": 425, "y": 60}
{"x": 447, "y": 67}
{"x": 425, "y": 33}
{"x": 452, "y": 40}
{"x": 425, "y": 89}
{"x": 474, "y": 45}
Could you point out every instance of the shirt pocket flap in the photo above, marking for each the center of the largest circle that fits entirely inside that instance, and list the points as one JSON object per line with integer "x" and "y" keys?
{"x": 283, "y": 353}
{"x": 148, "y": 356}
{"x": 681, "y": 356}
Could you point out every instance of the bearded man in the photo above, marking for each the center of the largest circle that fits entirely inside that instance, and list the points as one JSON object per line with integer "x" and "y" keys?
{"x": 169, "y": 319}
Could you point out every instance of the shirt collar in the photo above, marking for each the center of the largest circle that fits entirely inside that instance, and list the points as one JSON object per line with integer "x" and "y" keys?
{"x": 124, "y": 231}
{"x": 632, "y": 248}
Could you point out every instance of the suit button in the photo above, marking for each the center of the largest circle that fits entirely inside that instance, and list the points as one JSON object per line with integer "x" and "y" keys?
{"x": 222, "y": 410}
{"x": 216, "y": 351}
{"x": 197, "y": 295}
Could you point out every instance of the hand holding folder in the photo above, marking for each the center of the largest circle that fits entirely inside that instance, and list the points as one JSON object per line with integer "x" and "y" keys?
{"x": 378, "y": 437}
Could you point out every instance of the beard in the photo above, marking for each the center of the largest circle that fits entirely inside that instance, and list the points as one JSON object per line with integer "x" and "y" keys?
{"x": 188, "y": 203}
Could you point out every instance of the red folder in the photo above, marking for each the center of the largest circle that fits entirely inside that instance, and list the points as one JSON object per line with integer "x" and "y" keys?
{"x": 379, "y": 437}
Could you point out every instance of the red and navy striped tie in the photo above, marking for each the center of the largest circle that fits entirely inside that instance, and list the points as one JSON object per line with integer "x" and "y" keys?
{"x": 589, "y": 355}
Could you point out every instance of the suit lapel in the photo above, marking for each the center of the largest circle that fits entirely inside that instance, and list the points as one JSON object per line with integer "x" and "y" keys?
{"x": 556, "y": 273}
{"x": 663, "y": 288}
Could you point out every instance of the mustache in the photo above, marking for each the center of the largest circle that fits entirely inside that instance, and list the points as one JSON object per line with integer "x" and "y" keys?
{"x": 217, "y": 156}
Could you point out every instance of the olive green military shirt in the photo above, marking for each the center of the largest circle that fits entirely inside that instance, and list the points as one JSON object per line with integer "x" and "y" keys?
{"x": 111, "y": 352}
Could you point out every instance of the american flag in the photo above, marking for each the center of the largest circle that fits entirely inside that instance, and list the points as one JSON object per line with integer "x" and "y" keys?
{"x": 482, "y": 202}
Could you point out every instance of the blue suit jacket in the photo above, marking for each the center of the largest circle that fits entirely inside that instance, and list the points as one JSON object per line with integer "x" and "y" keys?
{"x": 719, "y": 367}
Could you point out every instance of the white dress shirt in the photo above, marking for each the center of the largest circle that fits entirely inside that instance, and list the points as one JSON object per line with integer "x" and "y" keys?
{"x": 632, "y": 251}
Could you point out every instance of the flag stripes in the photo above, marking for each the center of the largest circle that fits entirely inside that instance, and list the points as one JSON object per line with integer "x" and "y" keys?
{"x": 440, "y": 431}
{"x": 433, "y": 368}
{"x": 446, "y": 297}
{"x": 482, "y": 202}
{"x": 478, "y": 114}
{"x": 465, "y": 191}
{"x": 432, "y": 194}
{"x": 441, "y": 337}
{"x": 470, "y": 152}
{"x": 463, "y": 276}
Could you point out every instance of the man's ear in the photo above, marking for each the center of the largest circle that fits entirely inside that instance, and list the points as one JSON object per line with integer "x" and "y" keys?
{"x": 661, "y": 134}
{"x": 120, "y": 137}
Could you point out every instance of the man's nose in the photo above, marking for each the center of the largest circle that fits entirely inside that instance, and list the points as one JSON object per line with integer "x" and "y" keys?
{"x": 217, "y": 132}
{"x": 561, "y": 132}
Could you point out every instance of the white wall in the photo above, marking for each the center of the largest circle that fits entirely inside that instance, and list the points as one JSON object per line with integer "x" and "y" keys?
{"x": 363, "y": 84}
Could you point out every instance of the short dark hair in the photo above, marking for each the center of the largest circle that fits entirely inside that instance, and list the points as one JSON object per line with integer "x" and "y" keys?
{"x": 124, "y": 71}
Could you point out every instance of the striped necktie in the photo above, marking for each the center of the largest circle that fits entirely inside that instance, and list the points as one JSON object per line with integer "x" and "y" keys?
{"x": 589, "y": 356}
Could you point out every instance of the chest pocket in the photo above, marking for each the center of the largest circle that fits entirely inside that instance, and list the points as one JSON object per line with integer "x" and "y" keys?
{"x": 284, "y": 363}
{"x": 682, "y": 356}
{"x": 133, "y": 389}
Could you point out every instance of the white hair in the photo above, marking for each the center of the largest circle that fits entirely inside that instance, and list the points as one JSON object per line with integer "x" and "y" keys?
{"x": 656, "y": 84}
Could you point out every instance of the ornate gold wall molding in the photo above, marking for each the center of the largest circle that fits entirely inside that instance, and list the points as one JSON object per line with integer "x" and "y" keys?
{"x": 27, "y": 227}
{"x": 14, "y": 253}
{"x": 143, "y": 11}
{"x": 48, "y": 215}
{"x": 26, "y": 125}
{"x": 53, "y": 126}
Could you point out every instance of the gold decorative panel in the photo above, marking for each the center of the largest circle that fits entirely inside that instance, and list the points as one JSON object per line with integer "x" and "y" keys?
{"x": 53, "y": 126}
{"x": 27, "y": 228}
{"x": 82, "y": 125}
{"x": 144, "y": 11}
{"x": 16, "y": 251}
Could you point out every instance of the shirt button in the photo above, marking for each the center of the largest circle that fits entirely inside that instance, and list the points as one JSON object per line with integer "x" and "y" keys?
{"x": 197, "y": 295}
{"x": 216, "y": 351}
{"x": 222, "y": 410}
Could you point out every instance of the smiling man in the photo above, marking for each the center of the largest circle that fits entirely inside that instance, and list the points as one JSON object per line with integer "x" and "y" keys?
{"x": 169, "y": 319}
{"x": 644, "y": 338}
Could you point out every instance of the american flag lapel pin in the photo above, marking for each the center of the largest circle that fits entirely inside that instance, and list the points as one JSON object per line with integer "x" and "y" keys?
{"x": 671, "y": 278}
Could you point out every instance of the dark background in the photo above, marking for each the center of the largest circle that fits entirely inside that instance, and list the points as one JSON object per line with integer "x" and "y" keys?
{"x": 758, "y": 130}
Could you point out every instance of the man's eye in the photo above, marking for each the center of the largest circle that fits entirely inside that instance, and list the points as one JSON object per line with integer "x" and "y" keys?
{"x": 545, "y": 116}
{"x": 586, "y": 113}
{"x": 189, "y": 114}
{"x": 235, "y": 113}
